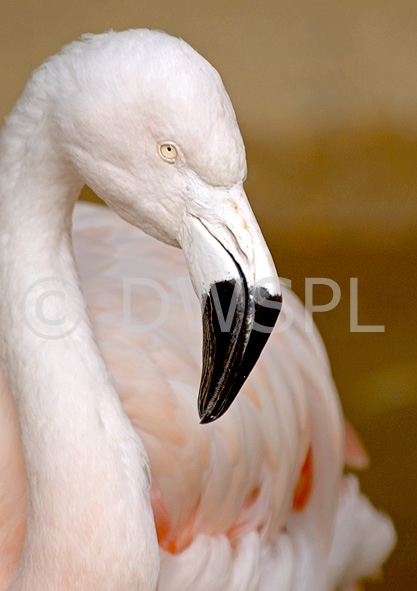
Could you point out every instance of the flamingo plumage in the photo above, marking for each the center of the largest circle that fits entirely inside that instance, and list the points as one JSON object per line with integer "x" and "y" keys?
{"x": 254, "y": 501}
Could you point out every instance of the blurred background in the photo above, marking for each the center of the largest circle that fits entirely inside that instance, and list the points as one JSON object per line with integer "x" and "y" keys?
{"x": 326, "y": 96}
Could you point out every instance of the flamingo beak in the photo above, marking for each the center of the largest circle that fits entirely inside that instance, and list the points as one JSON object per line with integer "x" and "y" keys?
{"x": 233, "y": 274}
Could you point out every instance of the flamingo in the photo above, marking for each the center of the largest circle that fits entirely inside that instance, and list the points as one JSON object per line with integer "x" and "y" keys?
{"x": 108, "y": 481}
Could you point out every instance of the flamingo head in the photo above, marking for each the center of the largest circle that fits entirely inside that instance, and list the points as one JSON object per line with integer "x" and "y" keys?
{"x": 145, "y": 121}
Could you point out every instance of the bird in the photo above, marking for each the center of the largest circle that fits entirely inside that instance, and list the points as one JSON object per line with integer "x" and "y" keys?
{"x": 114, "y": 473}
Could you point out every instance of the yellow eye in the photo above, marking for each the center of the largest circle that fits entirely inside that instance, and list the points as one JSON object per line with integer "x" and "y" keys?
{"x": 168, "y": 152}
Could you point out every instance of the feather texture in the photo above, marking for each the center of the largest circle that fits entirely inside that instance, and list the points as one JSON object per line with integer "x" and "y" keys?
{"x": 223, "y": 493}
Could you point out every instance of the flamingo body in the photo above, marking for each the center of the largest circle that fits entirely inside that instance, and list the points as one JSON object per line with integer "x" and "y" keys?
{"x": 244, "y": 468}
{"x": 256, "y": 540}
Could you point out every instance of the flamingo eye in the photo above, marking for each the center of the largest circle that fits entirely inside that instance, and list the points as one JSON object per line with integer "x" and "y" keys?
{"x": 168, "y": 152}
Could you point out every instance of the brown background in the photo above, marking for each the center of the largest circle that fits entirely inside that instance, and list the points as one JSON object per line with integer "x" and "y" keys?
{"x": 326, "y": 96}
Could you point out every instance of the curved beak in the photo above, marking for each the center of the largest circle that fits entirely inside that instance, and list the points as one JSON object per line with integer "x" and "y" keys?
{"x": 234, "y": 276}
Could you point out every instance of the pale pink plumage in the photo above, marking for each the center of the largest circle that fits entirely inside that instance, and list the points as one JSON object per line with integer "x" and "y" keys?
{"x": 223, "y": 493}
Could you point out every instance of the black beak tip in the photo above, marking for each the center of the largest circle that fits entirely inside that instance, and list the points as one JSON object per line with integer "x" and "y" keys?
{"x": 205, "y": 420}
{"x": 230, "y": 355}
{"x": 209, "y": 410}
{"x": 212, "y": 412}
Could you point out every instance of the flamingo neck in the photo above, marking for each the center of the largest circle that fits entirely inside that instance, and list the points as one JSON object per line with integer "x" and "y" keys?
{"x": 89, "y": 522}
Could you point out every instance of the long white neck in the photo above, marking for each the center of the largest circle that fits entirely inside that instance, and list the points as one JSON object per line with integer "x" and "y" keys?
{"x": 90, "y": 524}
